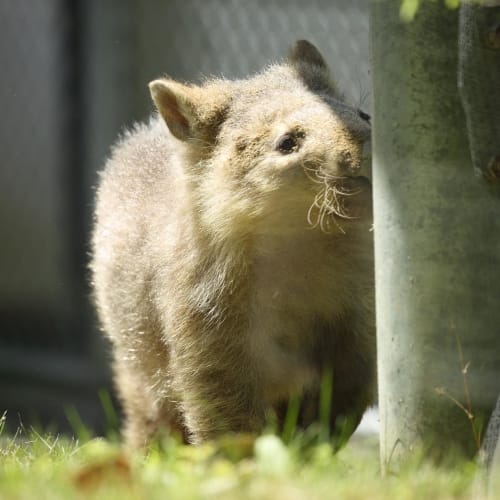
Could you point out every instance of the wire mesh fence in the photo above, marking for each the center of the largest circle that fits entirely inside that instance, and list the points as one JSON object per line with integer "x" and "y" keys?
{"x": 34, "y": 144}
{"x": 233, "y": 38}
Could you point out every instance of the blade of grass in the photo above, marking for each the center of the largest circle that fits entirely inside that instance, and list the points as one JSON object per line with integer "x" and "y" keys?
{"x": 112, "y": 421}
{"x": 325, "y": 404}
{"x": 3, "y": 420}
{"x": 77, "y": 425}
{"x": 291, "y": 417}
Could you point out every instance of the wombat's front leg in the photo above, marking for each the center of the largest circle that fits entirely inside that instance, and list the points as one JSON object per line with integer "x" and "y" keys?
{"x": 218, "y": 391}
{"x": 351, "y": 393}
{"x": 345, "y": 360}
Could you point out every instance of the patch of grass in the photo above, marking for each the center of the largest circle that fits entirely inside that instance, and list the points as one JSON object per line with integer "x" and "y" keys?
{"x": 43, "y": 466}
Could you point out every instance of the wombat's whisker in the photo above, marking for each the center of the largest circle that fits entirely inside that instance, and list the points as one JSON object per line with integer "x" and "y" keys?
{"x": 333, "y": 203}
{"x": 312, "y": 174}
{"x": 348, "y": 193}
{"x": 329, "y": 202}
{"x": 326, "y": 219}
{"x": 315, "y": 205}
{"x": 326, "y": 205}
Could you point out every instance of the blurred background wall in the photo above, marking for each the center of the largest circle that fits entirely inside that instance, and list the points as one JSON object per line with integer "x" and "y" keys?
{"x": 73, "y": 75}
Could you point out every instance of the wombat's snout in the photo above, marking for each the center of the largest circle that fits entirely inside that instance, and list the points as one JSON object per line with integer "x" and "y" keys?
{"x": 356, "y": 163}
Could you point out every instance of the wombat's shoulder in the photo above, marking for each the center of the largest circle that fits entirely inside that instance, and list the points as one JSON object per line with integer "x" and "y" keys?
{"x": 142, "y": 164}
{"x": 140, "y": 154}
{"x": 137, "y": 199}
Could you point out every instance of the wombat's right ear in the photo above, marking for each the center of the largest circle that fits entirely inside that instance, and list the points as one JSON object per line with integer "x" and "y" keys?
{"x": 173, "y": 106}
{"x": 190, "y": 112}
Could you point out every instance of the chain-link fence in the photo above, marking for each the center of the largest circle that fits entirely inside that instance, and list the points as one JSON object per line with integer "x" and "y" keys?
{"x": 35, "y": 146}
{"x": 193, "y": 38}
{"x": 74, "y": 73}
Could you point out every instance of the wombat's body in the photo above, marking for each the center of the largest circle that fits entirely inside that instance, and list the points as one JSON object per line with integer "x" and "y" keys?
{"x": 232, "y": 258}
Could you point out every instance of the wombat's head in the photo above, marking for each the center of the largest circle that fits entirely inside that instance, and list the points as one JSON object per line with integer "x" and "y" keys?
{"x": 277, "y": 152}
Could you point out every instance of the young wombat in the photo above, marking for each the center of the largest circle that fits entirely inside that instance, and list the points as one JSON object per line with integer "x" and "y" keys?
{"x": 232, "y": 256}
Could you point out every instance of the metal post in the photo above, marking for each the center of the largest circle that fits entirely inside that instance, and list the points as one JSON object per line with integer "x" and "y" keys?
{"x": 437, "y": 244}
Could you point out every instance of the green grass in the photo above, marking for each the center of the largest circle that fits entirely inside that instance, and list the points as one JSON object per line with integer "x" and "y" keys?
{"x": 36, "y": 466}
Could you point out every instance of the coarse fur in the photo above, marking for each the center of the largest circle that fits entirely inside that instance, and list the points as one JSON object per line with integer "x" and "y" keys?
{"x": 232, "y": 254}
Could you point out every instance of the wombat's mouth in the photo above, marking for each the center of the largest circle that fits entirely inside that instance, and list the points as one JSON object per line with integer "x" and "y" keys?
{"x": 337, "y": 200}
{"x": 352, "y": 184}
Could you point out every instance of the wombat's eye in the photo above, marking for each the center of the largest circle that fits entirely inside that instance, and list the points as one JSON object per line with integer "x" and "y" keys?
{"x": 287, "y": 143}
{"x": 364, "y": 116}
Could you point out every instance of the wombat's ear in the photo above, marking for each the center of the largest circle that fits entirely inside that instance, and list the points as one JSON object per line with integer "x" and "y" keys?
{"x": 305, "y": 52}
{"x": 190, "y": 112}
{"x": 310, "y": 66}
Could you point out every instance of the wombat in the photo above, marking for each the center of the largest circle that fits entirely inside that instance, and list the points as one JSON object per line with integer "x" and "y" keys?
{"x": 232, "y": 254}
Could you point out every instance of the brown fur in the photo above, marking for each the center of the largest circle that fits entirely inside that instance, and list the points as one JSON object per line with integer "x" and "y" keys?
{"x": 229, "y": 274}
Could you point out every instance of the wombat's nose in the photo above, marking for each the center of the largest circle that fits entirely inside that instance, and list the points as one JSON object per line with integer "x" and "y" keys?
{"x": 347, "y": 164}
{"x": 355, "y": 163}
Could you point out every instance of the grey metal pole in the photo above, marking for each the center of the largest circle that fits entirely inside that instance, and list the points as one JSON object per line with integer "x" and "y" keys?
{"x": 437, "y": 244}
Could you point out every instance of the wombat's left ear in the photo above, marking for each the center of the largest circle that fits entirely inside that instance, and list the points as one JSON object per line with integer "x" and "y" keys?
{"x": 190, "y": 112}
{"x": 304, "y": 52}
{"x": 310, "y": 66}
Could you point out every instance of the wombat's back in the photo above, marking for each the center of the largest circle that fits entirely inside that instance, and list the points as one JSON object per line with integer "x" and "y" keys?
{"x": 137, "y": 188}
{"x": 137, "y": 205}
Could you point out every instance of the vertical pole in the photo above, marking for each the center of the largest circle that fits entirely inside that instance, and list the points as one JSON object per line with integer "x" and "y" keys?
{"x": 437, "y": 244}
